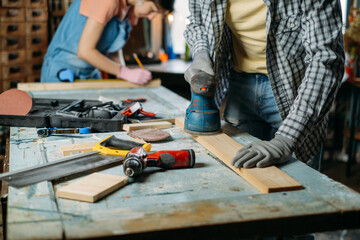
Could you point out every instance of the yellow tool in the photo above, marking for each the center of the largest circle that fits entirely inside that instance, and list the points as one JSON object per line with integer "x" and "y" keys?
{"x": 118, "y": 147}
{"x": 138, "y": 61}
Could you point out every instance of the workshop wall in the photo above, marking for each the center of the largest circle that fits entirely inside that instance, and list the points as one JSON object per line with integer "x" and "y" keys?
{"x": 56, "y": 11}
{"x": 23, "y": 41}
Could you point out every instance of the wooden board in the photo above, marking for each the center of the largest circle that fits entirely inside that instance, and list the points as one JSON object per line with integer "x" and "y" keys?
{"x": 92, "y": 187}
{"x": 73, "y": 149}
{"x": 266, "y": 180}
{"x": 137, "y": 126}
{"x": 172, "y": 120}
{"x": 89, "y": 84}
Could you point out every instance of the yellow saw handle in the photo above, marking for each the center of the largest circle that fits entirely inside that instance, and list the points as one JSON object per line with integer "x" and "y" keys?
{"x": 118, "y": 147}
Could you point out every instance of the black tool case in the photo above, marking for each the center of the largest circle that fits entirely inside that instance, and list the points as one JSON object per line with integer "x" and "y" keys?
{"x": 69, "y": 113}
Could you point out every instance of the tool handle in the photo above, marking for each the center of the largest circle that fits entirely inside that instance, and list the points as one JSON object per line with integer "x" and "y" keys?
{"x": 147, "y": 114}
{"x": 73, "y": 106}
{"x": 131, "y": 100}
{"x": 203, "y": 83}
{"x": 133, "y": 109}
{"x": 116, "y": 146}
{"x": 119, "y": 143}
{"x": 172, "y": 159}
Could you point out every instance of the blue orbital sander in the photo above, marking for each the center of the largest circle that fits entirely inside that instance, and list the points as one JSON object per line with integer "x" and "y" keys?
{"x": 202, "y": 116}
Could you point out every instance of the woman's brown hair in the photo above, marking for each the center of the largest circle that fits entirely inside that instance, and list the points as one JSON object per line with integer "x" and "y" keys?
{"x": 166, "y": 4}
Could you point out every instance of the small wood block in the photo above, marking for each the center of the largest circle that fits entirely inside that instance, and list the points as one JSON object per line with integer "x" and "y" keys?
{"x": 136, "y": 126}
{"x": 172, "y": 120}
{"x": 92, "y": 187}
{"x": 266, "y": 180}
{"x": 269, "y": 179}
{"x": 73, "y": 149}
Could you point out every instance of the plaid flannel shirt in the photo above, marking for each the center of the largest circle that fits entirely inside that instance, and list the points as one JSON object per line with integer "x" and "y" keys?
{"x": 304, "y": 56}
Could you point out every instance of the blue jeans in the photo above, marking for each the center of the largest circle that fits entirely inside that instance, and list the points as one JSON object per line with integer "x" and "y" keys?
{"x": 251, "y": 105}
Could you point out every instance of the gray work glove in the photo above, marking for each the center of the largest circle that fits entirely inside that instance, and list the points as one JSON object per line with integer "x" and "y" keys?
{"x": 201, "y": 62}
{"x": 264, "y": 153}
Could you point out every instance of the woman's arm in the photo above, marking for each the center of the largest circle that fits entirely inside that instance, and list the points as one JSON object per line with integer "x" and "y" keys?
{"x": 117, "y": 57}
{"x": 87, "y": 48}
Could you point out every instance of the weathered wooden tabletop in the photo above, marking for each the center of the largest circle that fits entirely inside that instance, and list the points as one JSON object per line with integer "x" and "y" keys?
{"x": 208, "y": 200}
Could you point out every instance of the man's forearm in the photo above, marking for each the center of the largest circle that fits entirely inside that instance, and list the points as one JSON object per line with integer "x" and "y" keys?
{"x": 195, "y": 33}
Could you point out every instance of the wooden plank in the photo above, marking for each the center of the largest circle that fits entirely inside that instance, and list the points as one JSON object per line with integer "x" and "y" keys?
{"x": 73, "y": 149}
{"x": 266, "y": 180}
{"x": 137, "y": 126}
{"x": 172, "y": 120}
{"x": 92, "y": 187}
{"x": 88, "y": 84}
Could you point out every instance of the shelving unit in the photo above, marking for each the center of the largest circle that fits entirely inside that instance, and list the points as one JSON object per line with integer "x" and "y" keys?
{"x": 57, "y": 9}
{"x": 23, "y": 41}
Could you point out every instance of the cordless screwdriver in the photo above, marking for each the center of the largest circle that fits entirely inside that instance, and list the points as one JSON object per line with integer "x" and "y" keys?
{"x": 137, "y": 160}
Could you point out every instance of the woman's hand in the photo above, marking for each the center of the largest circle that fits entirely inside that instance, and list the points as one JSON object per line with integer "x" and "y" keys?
{"x": 136, "y": 75}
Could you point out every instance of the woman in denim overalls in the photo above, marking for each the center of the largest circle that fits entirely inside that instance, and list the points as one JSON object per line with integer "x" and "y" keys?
{"x": 81, "y": 43}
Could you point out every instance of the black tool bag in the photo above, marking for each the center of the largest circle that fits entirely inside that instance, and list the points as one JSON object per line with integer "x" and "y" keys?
{"x": 69, "y": 113}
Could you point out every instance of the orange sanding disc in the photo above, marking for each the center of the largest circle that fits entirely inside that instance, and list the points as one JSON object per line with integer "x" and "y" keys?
{"x": 15, "y": 102}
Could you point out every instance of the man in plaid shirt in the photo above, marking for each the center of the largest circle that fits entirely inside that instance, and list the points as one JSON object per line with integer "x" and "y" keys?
{"x": 280, "y": 64}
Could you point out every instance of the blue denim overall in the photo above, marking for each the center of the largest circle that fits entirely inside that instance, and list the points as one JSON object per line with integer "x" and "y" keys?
{"x": 62, "y": 51}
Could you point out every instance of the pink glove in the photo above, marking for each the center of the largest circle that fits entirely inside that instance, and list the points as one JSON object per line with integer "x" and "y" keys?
{"x": 136, "y": 75}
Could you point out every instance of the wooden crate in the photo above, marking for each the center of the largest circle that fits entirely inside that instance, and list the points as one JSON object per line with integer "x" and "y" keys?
{"x": 23, "y": 40}
{"x": 57, "y": 10}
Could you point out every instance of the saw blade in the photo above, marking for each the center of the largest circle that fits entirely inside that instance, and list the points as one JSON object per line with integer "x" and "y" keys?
{"x": 58, "y": 169}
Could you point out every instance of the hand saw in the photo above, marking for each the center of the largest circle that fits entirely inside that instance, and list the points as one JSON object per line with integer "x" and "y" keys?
{"x": 109, "y": 152}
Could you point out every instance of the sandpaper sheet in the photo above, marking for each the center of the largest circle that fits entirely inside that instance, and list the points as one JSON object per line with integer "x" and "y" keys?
{"x": 15, "y": 102}
{"x": 150, "y": 134}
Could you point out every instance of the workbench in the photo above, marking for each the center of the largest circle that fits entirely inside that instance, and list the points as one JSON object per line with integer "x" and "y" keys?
{"x": 207, "y": 201}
